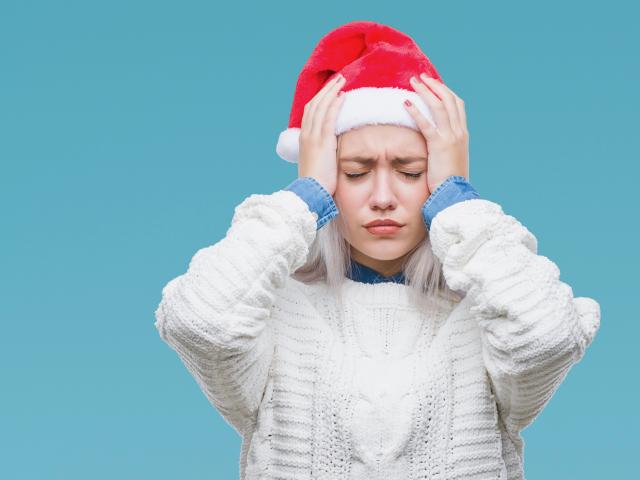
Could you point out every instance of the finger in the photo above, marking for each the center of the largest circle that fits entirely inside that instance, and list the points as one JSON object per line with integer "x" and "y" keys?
{"x": 437, "y": 107}
{"x": 426, "y": 127}
{"x": 462, "y": 115}
{"x": 462, "y": 118}
{"x": 317, "y": 99}
{"x": 320, "y": 111}
{"x": 307, "y": 117}
{"x": 448, "y": 98}
{"x": 329, "y": 127}
{"x": 304, "y": 124}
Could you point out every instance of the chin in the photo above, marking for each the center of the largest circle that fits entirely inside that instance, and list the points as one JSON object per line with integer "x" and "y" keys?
{"x": 384, "y": 252}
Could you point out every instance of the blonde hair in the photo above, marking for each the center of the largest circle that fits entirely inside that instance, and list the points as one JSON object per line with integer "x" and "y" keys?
{"x": 329, "y": 262}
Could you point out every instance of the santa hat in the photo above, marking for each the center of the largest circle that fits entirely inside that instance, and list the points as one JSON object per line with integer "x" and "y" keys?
{"x": 377, "y": 62}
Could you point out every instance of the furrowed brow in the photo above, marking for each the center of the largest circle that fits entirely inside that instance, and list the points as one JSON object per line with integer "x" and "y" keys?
{"x": 408, "y": 160}
{"x": 366, "y": 161}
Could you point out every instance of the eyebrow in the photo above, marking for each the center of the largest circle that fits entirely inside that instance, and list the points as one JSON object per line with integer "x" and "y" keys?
{"x": 394, "y": 161}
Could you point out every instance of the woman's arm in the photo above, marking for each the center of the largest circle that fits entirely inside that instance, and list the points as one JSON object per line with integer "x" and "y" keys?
{"x": 215, "y": 316}
{"x": 532, "y": 327}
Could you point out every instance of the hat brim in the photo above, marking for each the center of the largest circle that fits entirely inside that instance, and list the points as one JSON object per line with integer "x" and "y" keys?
{"x": 362, "y": 106}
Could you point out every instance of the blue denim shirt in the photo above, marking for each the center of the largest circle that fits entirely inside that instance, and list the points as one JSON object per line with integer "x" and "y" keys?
{"x": 453, "y": 189}
{"x": 364, "y": 274}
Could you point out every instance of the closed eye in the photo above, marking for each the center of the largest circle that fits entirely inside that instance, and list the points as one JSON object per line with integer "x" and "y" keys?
{"x": 407, "y": 174}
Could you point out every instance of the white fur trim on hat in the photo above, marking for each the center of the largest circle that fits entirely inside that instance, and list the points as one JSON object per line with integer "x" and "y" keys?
{"x": 362, "y": 106}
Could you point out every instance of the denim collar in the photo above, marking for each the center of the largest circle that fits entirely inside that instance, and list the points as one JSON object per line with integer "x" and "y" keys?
{"x": 362, "y": 273}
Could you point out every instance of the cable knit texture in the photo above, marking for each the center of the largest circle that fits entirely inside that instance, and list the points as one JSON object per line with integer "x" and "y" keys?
{"x": 376, "y": 386}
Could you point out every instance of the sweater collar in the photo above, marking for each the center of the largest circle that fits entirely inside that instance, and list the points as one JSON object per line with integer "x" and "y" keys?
{"x": 362, "y": 273}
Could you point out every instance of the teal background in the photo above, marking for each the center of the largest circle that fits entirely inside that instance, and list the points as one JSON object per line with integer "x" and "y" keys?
{"x": 131, "y": 129}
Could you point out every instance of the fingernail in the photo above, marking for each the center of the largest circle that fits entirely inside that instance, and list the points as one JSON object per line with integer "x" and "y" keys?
{"x": 407, "y": 103}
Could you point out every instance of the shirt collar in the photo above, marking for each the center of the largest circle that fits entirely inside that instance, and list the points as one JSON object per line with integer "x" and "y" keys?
{"x": 364, "y": 274}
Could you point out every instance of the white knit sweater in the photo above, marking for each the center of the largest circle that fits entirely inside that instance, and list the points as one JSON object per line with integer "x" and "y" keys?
{"x": 376, "y": 387}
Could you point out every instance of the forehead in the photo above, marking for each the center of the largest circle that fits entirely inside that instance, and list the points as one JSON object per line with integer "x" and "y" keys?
{"x": 394, "y": 143}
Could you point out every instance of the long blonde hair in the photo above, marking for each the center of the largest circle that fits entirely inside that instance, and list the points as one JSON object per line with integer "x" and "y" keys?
{"x": 329, "y": 261}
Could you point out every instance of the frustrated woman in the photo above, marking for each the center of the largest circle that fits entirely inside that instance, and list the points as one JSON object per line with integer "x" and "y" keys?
{"x": 376, "y": 318}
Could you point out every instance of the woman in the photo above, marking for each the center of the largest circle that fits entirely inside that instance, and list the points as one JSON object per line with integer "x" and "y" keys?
{"x": 338, "y": 349}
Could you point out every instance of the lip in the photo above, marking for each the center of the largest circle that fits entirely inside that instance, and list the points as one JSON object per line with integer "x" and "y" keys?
{"x": 382, "y": 222}
{"x": 384, "y": 229}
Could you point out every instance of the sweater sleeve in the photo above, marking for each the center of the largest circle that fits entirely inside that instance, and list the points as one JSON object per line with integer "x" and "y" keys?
{"x": 532, "y": 328}
{"x": 216, "y": 315}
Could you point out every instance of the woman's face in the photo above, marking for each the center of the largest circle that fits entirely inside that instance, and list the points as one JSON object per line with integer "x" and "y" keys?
{"x": 393, "y": 185}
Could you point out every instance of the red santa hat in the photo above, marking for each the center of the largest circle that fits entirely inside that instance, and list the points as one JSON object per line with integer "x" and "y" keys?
{"x": 377, "y": 62}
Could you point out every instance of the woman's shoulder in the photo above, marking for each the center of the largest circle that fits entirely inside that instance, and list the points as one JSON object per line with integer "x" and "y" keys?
{"x": 301, "y": 312}
{"x": 294, "y": 290}
{"x": 310, "y": 300}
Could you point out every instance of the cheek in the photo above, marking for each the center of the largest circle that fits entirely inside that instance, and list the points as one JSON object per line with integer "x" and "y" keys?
{"x": 348, "y": 198}
{"x": 414, "y": 196}
{"x": 351, "y": 205}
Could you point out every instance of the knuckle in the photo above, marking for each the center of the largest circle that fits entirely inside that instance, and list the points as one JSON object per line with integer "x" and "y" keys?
{"x": 421, "y": 121}
{"x": 448, "y": 96}
{"x": 312, "y": 140}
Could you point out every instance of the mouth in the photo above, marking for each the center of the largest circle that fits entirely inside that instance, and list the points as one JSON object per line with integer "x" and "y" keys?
{"x": 379, "y": 222}
{"x": 383, "y": 226}
{"x": 387, "y": 229}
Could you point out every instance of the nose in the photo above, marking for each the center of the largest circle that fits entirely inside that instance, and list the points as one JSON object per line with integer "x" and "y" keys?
{"x": 382, "y": 196}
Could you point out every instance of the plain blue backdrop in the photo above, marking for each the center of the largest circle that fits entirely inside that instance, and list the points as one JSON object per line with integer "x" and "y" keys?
{"x": 129, "y": 131}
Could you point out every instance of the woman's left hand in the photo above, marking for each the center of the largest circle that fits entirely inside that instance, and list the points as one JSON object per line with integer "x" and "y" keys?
{"x": 448, "y": 139}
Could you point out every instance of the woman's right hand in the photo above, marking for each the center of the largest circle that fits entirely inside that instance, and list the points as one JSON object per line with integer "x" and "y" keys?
{"x": 318, "y": 141}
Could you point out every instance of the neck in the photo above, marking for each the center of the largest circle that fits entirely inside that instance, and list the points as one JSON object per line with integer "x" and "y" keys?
{"x": 385, "y": 268}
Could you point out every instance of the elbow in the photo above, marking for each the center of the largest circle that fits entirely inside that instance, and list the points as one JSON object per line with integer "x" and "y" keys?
{"x": 160, "y": 320}
{"x": 587, "y": 323}
{"x": 166, "y": 322}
